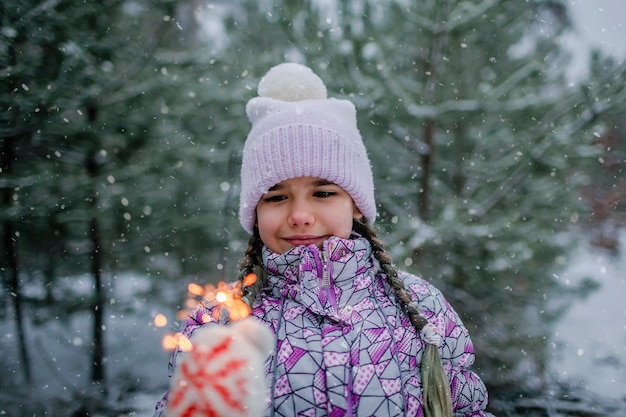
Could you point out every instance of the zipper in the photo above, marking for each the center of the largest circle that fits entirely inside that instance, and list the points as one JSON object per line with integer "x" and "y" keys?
{"x": 350, "y": 407}
{"x": 327, "y": 292}
{"x": 326, "y": 282}
{"x": 325, "y": 273}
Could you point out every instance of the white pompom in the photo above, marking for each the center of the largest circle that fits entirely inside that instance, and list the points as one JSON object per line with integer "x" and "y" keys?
{"x": 292, "y": 82}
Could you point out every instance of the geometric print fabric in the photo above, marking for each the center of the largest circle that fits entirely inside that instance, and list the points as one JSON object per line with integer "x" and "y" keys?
{"x": 343, "y": 346}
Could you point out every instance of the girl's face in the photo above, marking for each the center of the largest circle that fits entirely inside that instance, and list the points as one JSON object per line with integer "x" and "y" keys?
{"x": 304, "y": 211}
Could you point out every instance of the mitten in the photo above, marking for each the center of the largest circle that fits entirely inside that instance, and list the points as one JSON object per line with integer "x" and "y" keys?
{"x": 223, "y": 375}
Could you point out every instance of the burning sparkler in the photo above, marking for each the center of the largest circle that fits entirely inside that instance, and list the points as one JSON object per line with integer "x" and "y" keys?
{"x": 229, "y": 297}
{"x": 223, "y": 372}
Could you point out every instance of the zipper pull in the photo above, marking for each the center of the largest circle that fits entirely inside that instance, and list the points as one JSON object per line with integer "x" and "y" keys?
{"x": 325, "y": 273}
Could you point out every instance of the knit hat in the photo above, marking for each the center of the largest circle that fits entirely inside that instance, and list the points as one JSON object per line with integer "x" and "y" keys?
{"x": 298, "y": 132}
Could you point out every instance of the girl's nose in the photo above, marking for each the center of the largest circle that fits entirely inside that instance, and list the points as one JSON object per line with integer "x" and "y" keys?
{"x": 300, "y": 215}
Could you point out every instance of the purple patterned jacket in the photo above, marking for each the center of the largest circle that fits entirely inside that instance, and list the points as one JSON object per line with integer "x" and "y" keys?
{"x": 343, "y": 347}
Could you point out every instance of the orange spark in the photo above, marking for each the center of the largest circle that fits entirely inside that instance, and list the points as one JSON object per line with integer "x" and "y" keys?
{"x": 206, "y": 318}
{"x": 182, "y": 315}
{"x": 160, "y": 320}
{"x": 195, "y": 289}
{"x": 229, "y": 298}
{"x": 190, "y": 303}
{"x": 221, "y": 296}
{"x": 171, "y": 341}
{"x": 249, "y": 279}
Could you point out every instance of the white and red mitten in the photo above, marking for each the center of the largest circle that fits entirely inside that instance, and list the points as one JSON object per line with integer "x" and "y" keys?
{"x": 223, "y": 375}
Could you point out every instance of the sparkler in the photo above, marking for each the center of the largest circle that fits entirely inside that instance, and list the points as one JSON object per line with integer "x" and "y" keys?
{"x": 229, "y": 297}
{"x": 223, "y": 373}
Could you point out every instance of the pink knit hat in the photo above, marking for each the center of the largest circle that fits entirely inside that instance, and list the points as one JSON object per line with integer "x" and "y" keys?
{"x": 298, "y": 132}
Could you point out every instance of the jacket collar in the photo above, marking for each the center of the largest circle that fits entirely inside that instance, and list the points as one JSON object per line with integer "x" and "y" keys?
{"x": 323, "y": 280}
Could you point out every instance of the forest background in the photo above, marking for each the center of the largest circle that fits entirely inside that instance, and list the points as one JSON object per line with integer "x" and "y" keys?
{"x": 121, "y": 129}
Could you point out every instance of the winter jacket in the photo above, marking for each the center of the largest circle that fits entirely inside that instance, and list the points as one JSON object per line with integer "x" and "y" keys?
{"x": 343, "y": 346}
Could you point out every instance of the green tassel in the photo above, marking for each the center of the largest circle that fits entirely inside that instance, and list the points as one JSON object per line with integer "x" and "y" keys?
{"x": 435, "y": 385}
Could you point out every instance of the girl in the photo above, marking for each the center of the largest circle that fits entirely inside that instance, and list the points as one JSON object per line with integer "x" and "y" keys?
{"x": 352, "y": 336}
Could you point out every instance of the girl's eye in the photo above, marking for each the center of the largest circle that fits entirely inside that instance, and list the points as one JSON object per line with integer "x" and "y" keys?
{"x": 274, "y": 198}
{"x": 323, "y": 194}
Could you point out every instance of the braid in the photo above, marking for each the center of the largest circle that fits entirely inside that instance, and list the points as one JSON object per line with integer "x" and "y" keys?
{"x": 252, "y": 264}
{"x": 435, "y": 384}
{"x": 396, "y": 283}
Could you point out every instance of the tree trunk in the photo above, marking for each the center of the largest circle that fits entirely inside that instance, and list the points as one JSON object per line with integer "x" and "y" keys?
{"x": 10, "y": 247}
{"x": 427, "y": 160}
{"x": 97, "y": 353}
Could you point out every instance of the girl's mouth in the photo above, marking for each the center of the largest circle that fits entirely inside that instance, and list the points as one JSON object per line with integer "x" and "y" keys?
{"x": 303, "y": 240}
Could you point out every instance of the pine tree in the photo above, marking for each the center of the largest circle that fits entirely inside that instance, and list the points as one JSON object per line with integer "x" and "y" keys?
{"x": 68, "y": 85}
{"x": 479, "y": 147}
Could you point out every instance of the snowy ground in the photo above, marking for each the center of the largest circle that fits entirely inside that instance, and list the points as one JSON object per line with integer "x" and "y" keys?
{"x": 590, "y": 340}
{"x": 58, "y": 350}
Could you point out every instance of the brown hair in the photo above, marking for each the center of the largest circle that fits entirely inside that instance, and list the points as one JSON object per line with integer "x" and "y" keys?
{"x": 435, "y": 385}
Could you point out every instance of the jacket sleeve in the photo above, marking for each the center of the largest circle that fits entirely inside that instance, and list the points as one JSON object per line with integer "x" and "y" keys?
{"x": 469, "y": 394}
